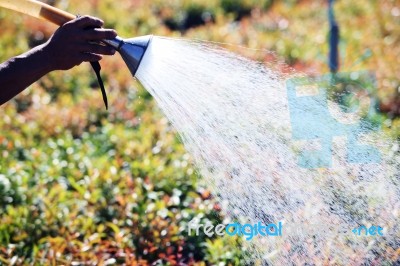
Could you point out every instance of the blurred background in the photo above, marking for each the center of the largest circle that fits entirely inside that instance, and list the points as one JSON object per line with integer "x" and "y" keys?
{"x": 81, "y": 185}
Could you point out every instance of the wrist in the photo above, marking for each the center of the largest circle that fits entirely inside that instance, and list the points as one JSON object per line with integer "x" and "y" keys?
{"x": 47, "y": 57}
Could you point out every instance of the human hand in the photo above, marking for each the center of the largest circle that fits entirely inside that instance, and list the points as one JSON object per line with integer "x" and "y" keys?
{"x": 77, "y": 41}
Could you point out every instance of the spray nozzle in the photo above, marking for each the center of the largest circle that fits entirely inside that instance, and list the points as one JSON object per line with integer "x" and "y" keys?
{"x": 132, "y": 50}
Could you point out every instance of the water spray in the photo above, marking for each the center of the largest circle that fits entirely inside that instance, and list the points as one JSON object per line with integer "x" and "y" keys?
{"x": 131, "y": 50}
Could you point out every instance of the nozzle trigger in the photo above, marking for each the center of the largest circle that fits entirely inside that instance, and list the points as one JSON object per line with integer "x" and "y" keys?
{"x": 96, "y": 67}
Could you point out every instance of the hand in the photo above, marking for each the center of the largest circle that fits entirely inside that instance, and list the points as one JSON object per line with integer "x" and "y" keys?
{"x": 77, "y": 41}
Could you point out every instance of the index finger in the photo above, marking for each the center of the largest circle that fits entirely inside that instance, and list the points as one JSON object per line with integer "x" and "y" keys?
{"x": 98, "y": 34}
{"x": 88, "y": 22}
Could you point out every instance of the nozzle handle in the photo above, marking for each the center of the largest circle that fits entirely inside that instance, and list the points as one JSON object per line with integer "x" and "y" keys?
{"x": 39, "y": 10}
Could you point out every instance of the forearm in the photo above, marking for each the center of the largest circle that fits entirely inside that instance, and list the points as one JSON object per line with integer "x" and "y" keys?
{"x": 19, "y": 72}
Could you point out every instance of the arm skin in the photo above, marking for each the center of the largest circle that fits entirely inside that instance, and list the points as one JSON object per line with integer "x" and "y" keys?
{"x": 72, "y": 44}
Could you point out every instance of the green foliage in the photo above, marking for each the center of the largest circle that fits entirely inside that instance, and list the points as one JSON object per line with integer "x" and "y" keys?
{"x": 112, "y": 189}
{"x": 241, "y": 8}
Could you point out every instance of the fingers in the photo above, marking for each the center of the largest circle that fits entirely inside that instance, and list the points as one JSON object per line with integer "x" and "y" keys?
{"x": 92, "y": 52}
{"x": 89, "y": 29}
{"x": 98, "y": 34}
{"x": 89, "y": 57}
{"x": 88, "y": 22}
{"x": 97, "y": 49}
{"x": 80, "y": 37}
